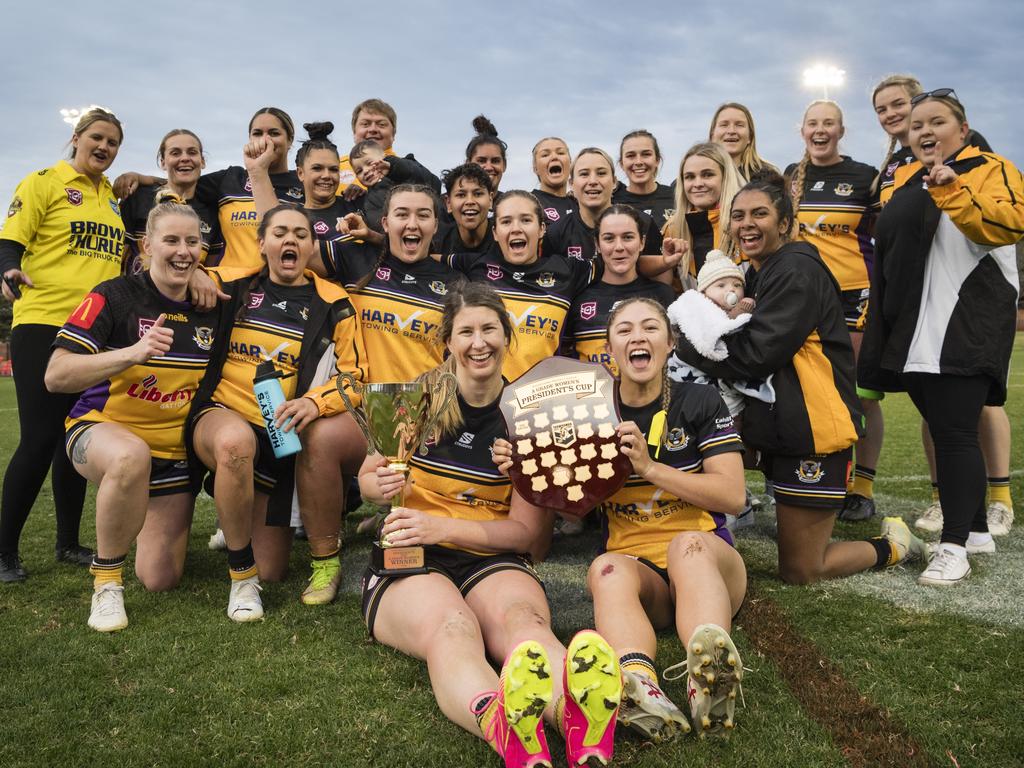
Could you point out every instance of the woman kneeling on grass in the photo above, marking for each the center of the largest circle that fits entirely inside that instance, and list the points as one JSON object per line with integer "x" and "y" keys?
{"x": 668, "y": 555}
{"x": 138, "y": 349}
{"x": 797, "y": 333}
{"x": 481, "y": 598}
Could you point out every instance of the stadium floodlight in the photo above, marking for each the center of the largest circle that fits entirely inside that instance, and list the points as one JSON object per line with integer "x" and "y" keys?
{"x": 71, "y": 115}
{"x": 824, "y": 76}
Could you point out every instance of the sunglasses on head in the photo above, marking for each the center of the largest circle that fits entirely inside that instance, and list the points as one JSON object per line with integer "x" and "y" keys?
{"x": 938, "y": 93}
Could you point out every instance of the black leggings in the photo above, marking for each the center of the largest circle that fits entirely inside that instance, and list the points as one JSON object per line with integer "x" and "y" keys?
{"x": 952, "y": 406}
{"x": 41, "y": 416}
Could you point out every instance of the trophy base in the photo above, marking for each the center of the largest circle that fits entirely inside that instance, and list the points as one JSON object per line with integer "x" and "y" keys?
{"x": 397, "y": 561}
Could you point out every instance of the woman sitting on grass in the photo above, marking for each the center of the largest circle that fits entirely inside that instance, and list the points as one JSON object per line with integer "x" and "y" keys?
{"x": 481, "y": 599}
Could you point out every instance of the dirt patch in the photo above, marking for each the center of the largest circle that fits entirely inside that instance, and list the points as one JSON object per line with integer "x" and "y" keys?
{"x": 867, "y": 735}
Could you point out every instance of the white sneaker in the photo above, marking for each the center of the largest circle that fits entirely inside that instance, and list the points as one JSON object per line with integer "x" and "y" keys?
{"x": 244, "y": 604}
{"x": 217, "y": 541}
{"x": 1000, "y": 518}
{"x": 647, "y": 710}
{"x": 108, "y": 609}
{"x": 931, "y": 520}
{"x": 908, "y": 546}
{"x": 946, "y": 568}
{"x": 980, "y": 544}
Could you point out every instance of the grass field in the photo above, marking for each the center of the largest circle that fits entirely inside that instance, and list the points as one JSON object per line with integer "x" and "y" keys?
{"x": 871, "y": 670}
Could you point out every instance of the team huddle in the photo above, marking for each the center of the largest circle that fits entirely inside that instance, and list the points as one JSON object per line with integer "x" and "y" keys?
{"x": 749, "y": 318}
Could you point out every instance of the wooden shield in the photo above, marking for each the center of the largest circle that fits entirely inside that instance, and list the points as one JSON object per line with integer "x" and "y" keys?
{"x": 561, "y": 417}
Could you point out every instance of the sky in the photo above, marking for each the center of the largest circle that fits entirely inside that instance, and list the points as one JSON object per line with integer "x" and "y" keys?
{"x": 587, "y": 71}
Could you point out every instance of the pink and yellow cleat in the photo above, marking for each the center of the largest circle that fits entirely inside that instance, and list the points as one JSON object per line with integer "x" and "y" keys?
{"x": 593, "y": 690}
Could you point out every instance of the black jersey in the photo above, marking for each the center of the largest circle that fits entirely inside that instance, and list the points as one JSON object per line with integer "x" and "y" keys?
{"x": 587, "y": 322}
{"x": 448, "y": 240}
{"x": 537, "y": 296}
{"x": 150, "y": 399}
{"x": 641, "y": 519}
{"x": 231, "y": 192}
{"x": 572, "y": 237}
{"x": 887, "y": 175}
{"x": 457, "y": 478}
{"x": 325, "y": 228}
{"x": 660, "y": 204}
{"x": 556, "y": 207}
{"x": 135, "y": 210}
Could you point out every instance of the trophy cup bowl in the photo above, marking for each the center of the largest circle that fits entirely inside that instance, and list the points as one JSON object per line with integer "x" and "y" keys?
{"x": 397, "y": 418}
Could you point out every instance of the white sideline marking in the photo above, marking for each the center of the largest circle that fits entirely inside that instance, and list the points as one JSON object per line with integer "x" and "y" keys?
{"x": 919, "y": 478}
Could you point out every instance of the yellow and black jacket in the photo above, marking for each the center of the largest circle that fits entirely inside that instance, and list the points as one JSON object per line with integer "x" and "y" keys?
{"x": 797, "y": 332}
{"x": 944, "y": 296}
{"x": 230, "y": 192}
{"x": 150, "y": 399}
{"x": 641, "y": 519}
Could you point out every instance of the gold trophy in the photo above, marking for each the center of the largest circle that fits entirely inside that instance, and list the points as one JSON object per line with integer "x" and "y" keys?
{"x": 397, "y": 419}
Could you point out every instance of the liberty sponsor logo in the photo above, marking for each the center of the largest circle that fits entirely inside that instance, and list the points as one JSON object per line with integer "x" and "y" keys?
{"x": 74, "y": 195}
{"x": 383, "y": 273}
{"x": 494, "y": 272}
{"x": 321, "y": 228}
{"x": 148, "y": 390}
{"x": 255, "y": 300}
{"x": 588, "y": 310}
{"x": 203, "y": 337}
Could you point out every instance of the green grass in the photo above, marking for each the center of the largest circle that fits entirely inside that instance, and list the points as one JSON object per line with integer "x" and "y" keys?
{"x": 185, "y": 686}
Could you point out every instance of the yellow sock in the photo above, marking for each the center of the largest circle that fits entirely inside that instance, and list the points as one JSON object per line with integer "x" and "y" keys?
{"x": 999, "y": 491}
{"x": 106, "y": 571}
{"x": 863, "y": 482}
{"x": 935, "y": 492}
{"x": 248, "y": 573}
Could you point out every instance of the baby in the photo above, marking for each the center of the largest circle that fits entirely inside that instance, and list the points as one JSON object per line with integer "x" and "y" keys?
{"x": 705, "y": 316}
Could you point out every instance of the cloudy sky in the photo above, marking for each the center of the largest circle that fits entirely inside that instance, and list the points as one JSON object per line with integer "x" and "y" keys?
{"x": 588, "y": 71}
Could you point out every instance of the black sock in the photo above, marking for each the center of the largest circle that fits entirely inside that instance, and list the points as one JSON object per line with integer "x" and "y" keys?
{"x": 241, "y": 559}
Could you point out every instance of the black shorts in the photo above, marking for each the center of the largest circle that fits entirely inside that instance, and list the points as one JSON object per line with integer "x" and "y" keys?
{"x": 167, "y": 477}
{"x": 264, "y": 464}
{"x": 855, "y": 307}
{"x": 463, "y": 569}
{"x": 817, "y": 481}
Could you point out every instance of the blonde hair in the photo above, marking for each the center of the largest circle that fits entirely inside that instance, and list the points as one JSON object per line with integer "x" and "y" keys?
{"x": 168, "y": 203}
{"x": 750, "y": 163}
{"x": 796, "y": 190}
{"x": 731, "y": 183}
{"x": 912, "y": 86}
{"x": 96, "y": 115}
{"x": 590, "y": 151}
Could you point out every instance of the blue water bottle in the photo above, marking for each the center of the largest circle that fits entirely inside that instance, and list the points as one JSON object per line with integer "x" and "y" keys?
{"x": 269, "y": 394}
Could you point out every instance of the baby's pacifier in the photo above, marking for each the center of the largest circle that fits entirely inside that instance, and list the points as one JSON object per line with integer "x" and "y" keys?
{"x": 731, "y": 299}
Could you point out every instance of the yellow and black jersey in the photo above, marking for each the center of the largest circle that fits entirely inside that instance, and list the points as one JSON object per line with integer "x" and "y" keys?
{"x": 587, "y": 322}
{"x": 457, "y": 478}
{"x": 325, "y": 228}
{"x": 641, "y": 519}
{"x": 887, "y": 176}
{"x": 151, "y": 399}
{"x": 270, "y": 328}
{"x": 230, "y": 191}
{"x": 400, "y": 313}
{"x": 135, "y": 210}
{"x": 573, "y": 238}
{"x": 660, "y": 204}
{"x": 448, "y": 240}
{"x": 798, "y": 333}
{"x": 73, "y": 238}
{"x": 556, "y": 207}
{"x": 537, "y": 297}
{"x": 837, "y": 216}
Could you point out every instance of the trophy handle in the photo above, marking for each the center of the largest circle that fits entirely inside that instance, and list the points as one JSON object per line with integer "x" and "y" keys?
{"x": 446, "y": 387}
{"x": 347, "y": 379}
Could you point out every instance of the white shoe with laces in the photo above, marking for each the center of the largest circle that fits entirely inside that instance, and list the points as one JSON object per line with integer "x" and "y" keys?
{"x": 931, "y": 520}
{"x": 108, "y": 613}
{"x": 647, "y": 710}
{"x": 217, "y": 542}
{"x": 1000, "y": 518}
{"x": 948, "y": 566}
{"x": 244, "y": 604}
